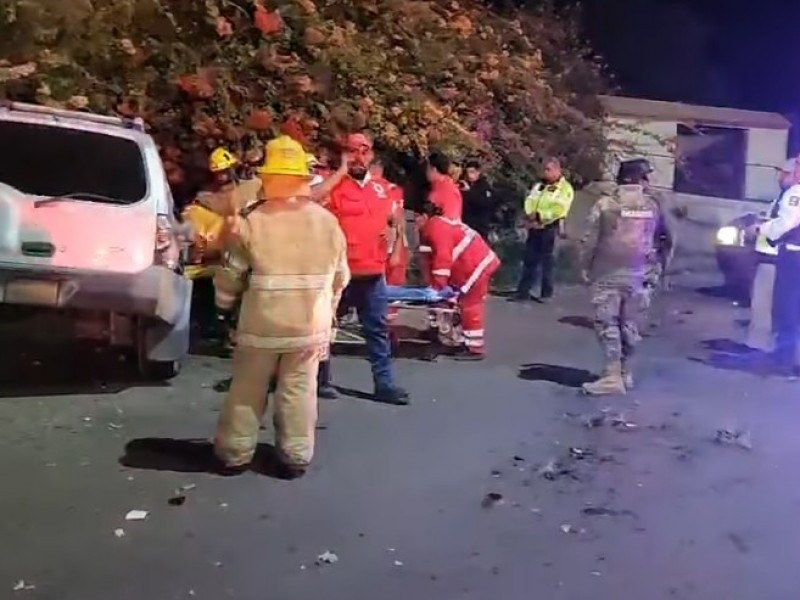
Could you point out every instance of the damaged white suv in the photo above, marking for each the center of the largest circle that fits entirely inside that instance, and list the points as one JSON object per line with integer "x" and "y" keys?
{"x": 88, "y": 233}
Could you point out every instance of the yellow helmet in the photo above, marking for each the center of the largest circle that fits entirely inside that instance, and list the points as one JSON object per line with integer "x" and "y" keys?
{"x": 285, "y": 156}
{"x": 221, "y": 160}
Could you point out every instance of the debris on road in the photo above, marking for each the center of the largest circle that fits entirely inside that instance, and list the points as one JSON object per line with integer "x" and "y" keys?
{"x": 179, "y": 496}
{"x": 492, "y": 499}
{"x": 113, "y": 426}
{"x": 599, "y": 511}
{"x": 496, "y": 473}
{"x": 120, "y": 533}
{"x": 136, "y": 515}
{"x": 22, "y": 586}
{"x": 398, "y": 563}
{"x": 734, "y": 437}
{"x": 553, "y": 470}
{"x": 580, "y": 453}
{"x": 327, "y": 558}
{"x": 566, "y": 528}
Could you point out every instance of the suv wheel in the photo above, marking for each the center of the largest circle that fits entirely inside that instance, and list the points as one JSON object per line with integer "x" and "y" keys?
{"x": 152, "y": 370}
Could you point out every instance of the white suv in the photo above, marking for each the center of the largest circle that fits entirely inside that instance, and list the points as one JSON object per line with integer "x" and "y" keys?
{"x": 88, "y": 232}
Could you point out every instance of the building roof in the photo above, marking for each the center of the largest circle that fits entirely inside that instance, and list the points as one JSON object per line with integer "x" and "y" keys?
{"x": 658, "y": 110}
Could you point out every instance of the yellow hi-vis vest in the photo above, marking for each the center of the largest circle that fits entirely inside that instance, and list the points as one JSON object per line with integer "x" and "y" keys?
{"x": 762, "y": 245}
{"x": 551, "y": 202}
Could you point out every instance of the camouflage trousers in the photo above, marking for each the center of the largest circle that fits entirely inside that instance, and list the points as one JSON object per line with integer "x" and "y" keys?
{"x": 620, "y": 310}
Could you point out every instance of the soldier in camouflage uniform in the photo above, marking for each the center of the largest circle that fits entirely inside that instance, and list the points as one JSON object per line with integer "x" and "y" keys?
{"x": 616, "y": 253}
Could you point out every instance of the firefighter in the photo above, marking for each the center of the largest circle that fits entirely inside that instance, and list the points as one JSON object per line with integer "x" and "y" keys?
{"x": 291, "y": 292}
{"x": 461, "y": 259}
{"x": 546, "y": 209}
{"x": 363, "y": 206}
{"x": 615, "y": 250}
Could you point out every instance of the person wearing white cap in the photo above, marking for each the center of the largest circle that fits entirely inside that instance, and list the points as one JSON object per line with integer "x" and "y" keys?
{"x": 783, "y": 232}
{"x": 760, "y": 332}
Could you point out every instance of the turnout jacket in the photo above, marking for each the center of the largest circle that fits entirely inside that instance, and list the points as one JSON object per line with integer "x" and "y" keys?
{"x": 291, "y": 289}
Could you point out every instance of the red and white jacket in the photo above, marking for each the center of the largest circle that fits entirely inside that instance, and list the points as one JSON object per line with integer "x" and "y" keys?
{"x": 459, "y": 256}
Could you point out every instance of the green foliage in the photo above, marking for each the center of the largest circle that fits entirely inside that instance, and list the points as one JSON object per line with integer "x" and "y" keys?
{"x": 507, "y": 86}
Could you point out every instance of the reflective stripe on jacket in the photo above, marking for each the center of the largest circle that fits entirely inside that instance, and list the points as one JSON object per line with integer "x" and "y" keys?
{"x": 460, "y": 256}
{"x": 550, "y": 202}
{"x": 291, "y": 290}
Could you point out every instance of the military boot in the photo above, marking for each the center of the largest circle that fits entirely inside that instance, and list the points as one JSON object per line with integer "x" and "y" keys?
{"x": 610, "y": 383}
{"x": 627, "y": 376}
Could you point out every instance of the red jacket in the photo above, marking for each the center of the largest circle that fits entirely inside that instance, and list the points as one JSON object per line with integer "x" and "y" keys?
{"x": 446, "y": 195}
{"x": 364, "y": 210}
{"x": 459, "y": 256}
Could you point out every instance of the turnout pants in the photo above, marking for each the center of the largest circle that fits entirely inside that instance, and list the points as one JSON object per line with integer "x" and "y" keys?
{"x": 786, "y": 305}
{"x": 760, "y": 332}
{"x": 539, "y": 259}
{"x": 295, "y": 409}
{"x": 473, "y": 311}
{"x": 619, "y": 313}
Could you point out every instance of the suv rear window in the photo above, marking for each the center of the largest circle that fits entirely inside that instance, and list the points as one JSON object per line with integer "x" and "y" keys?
{"x": 45, "y": 160}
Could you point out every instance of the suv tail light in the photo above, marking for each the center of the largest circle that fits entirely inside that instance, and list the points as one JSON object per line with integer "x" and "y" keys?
{"x": 167, "y": 250}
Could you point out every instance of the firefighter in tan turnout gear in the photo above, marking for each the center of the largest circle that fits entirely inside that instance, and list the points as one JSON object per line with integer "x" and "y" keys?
{"x": 615, "y": 251}
{"x": 291, "y": 291}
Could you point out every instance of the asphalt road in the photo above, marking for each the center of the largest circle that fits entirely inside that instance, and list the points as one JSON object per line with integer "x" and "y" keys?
{"x": 491, "y": 485}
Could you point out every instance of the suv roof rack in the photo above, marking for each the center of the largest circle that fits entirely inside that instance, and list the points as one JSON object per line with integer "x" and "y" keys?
{"x": 60, "y": 113}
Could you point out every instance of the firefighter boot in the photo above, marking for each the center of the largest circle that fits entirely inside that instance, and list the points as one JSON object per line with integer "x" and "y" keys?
{"x": 627, "y": 375}
{"x": 610, "y": 383}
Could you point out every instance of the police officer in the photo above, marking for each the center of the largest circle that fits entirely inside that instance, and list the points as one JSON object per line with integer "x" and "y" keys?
{"x": 619, "y": 241}
{"x": 783, "y": 231}
{"x": 760, "y": 332}
{"x": 546, "y": 208}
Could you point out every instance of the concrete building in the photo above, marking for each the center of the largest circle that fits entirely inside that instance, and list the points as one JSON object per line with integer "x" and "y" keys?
{"x": 716, "y": 162}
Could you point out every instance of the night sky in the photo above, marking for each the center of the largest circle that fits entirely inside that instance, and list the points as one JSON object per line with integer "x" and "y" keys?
{"x": 737, "y": 53}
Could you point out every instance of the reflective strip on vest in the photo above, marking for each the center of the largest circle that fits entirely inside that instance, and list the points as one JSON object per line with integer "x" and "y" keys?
{"x": 441, "y": 272}
{"x": 476, "y": 274}
{"x": 425, "y": 249}
{"x": 267, "y": 283}
{"x": 764, "y": 247}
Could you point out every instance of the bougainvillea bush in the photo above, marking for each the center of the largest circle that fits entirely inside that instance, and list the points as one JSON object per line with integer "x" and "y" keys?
{"x": 505, "y": 85}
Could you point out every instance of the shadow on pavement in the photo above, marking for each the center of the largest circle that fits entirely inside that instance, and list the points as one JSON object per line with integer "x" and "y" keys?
{"x": 566, "y": 376}
{"x": 725, "y": 346}
{"x": 60, "y": 370}
{"x": 726, "y": 361}
{"x": 577, "y": 321}
{"x": 192, "y": 456}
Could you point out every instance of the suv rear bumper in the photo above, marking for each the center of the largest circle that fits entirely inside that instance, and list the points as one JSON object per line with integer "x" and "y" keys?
{"x": 156, "y": 292}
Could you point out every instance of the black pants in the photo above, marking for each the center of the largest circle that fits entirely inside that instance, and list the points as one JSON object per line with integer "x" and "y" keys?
{"x": 539, "y": 254}
{"x": 786, "y": 305}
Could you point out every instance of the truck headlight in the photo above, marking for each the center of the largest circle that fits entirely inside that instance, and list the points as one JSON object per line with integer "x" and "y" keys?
{"x": 728, "y": 236}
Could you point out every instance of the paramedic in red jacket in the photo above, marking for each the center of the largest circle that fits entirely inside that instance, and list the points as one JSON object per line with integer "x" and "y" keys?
{"x": 398, "y": 246}
{"x": 461, "y": 259}
{"x": 444, "y": 190}
{"x": 363, "y": 205}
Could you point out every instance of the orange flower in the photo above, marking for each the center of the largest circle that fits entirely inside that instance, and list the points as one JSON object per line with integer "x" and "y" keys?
{"x": 267, "y": 22}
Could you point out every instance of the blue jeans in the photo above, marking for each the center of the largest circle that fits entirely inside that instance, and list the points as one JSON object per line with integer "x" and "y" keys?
{"x": 368, "y": 296}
